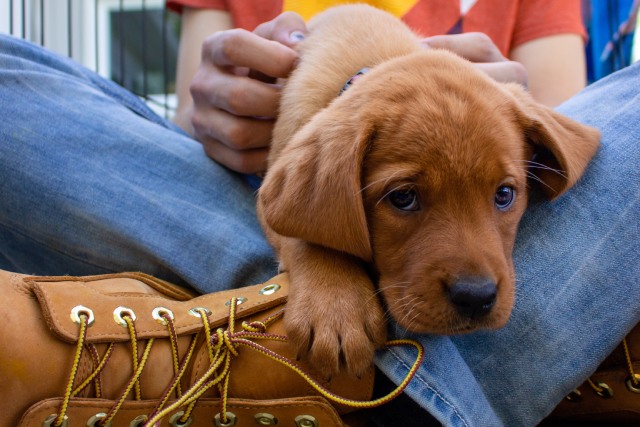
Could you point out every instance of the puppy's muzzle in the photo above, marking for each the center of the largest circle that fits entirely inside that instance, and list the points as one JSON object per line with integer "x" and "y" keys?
{"x": 473, "y": 297}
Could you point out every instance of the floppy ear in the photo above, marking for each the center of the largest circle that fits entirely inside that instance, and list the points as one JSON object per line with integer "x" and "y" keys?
{"x": 562, "y": 147}
{"x": 313, "y": 189}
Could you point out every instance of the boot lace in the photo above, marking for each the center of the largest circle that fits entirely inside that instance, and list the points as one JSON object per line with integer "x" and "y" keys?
{"x": 602, "y": 389}
{"x": 222, "y": 345}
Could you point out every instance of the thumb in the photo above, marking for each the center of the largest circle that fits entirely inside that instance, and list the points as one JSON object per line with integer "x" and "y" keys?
{"x": 288, "y": 28}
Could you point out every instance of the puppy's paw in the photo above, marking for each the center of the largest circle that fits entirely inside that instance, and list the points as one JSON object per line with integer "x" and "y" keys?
{"x": 336, "y": 326}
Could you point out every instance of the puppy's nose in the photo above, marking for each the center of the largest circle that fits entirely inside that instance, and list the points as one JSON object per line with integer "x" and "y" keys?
{"x": 473, "y": 297}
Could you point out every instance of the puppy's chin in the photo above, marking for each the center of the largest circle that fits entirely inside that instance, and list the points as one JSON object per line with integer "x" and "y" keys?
{"x": 423, "y": 309}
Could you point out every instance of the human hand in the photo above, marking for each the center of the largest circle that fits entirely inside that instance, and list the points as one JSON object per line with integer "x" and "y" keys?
{"x": 480, "y": 49}
{"x": 235, "y": 95}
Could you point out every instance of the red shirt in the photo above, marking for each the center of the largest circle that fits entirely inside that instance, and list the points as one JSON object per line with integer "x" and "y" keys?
{"x": 509, "y": 23}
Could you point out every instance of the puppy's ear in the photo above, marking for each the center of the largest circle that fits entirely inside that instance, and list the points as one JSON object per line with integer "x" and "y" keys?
{"x": 313, "y": 189}
{"x": 562, "y": 147}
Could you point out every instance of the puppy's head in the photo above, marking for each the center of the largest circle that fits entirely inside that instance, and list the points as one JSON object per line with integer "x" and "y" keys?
{"x": 422, "y": 170}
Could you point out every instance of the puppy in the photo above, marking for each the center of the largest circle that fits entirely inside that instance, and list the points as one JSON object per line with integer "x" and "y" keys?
{"x": 411, "y": 184}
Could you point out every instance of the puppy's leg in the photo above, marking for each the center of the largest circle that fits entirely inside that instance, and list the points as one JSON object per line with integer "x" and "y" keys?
{"x": 333, "y": 316}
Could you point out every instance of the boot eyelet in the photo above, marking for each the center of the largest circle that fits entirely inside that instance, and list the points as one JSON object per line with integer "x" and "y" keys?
{"x": 239, "y": 300}
{"x": 195, "y": 311}
{"x": 48, "y": 422}
{"x": 96, "y": 420}
{"x": 231, "y": 420}
{"x": 270, "y": 289}
{"x": 574, "y": 396}
{"x": 306, "y": 421}
{"x": 174, "y": 421}
{"x": 265, "y": 419}
{"x": 79, "y": 310}
{"x": 606, "y": 392}
{"x": 158, "y": 314}
{"x": 138, "y": 421}
{"x": 633, "y": 387}
{"x": 120, "y": 313}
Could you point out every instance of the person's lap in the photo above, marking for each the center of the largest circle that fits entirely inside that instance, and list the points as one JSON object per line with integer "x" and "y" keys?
{"x": 93, "y": 182}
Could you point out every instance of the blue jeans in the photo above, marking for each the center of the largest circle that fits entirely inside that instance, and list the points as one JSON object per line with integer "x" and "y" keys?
{"x": 92, "y": 181}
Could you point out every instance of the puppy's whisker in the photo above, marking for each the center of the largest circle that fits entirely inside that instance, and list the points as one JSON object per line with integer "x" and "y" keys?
{"x": 535, "y": 165}
{"x": 385, "y": 180}
{"x": 537, "y": 179}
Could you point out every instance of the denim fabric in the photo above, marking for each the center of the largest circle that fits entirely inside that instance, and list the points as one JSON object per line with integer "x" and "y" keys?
{"x": 92, "y": 181}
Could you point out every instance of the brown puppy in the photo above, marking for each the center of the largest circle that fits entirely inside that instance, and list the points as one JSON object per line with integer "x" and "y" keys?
{"x": 412, "y": 182}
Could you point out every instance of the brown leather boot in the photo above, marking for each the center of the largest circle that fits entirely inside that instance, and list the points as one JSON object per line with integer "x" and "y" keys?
{"x": 611, "y": 396}
{"x": 129, "y": 349}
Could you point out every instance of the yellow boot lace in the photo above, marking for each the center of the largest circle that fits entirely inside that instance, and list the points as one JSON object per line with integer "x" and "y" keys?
{"x": 602, "y": 389}
{"x": 222, "y": 346}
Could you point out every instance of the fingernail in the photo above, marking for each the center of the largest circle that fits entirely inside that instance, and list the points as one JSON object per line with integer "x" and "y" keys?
{"x": 296, "y": 36}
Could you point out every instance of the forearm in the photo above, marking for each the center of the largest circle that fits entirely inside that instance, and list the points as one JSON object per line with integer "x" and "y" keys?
{"x": 556, "y": 67}
{"x": 197, "y": 25}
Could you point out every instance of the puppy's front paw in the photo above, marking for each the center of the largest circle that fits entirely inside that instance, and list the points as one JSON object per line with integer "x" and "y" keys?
{"x": 336, "y": 326}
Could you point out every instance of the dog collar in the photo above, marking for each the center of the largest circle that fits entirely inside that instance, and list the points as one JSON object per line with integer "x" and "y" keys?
{"x": 352, "y": 79}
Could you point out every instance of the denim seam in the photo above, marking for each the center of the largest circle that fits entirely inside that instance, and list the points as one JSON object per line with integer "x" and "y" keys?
{"x": 52, "y": 249}
{"x": 430, "y": 388}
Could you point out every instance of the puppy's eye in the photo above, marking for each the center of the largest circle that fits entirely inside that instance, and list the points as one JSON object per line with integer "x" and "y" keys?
{"x": 505, "y": 197}
{"x": 405, "y": 200}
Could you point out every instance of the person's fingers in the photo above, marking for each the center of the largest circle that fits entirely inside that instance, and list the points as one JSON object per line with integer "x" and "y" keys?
{"x": 505, "y": 72}
{"x": 287, "y": 28}
{"x": 237, "y": 95}
{"x": 246, "y": 161}
{"x": 240, "y": 48}
{"x": 476, "y": 47}
{"x": 237, "y": 133}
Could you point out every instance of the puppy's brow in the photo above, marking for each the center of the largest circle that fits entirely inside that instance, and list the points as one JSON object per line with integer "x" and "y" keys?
{"x": 536, "y": 165}
{"x": 385, "y": 180}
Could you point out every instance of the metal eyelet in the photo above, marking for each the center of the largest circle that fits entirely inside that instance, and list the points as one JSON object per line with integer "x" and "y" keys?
{"x": 195, "y": 311}
{"x": 574, "y": 396}
{"x": 634, "y": 388}
{"x": 231, "y": 417}
{"x": 270, "y": 289}
{"x": 158, "y": 313}
{"x": 174, "y": 421}
{"x": 119, "y": 314}
{"x": 48, "y": 422}
{"x": 95, "y": 420}
{"x": 606, "y": 392}
{"x": 239, "y": 300}
{"x": 306, "y": 421}
{"x": 138, "y": 421}
{"x": 81, "y": 309}
{"x": 265, "y": 419}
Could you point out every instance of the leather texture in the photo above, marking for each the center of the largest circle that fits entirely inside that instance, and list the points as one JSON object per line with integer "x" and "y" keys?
{"x": 38, "y": 341}
{"x": 620, "y": 407}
